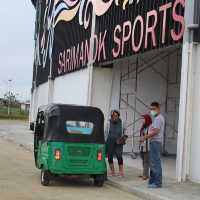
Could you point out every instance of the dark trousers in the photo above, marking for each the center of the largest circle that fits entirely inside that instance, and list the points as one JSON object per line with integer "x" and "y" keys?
{"x": 155, "y": 164}
{"x": 145, "y": 163}
{"x": 114, "y": 149}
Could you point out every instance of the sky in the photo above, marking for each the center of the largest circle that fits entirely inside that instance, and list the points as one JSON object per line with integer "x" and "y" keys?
{"x": 17, "y": 21}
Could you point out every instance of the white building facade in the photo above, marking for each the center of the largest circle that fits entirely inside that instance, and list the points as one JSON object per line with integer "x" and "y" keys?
{"x": 164, "y": 66}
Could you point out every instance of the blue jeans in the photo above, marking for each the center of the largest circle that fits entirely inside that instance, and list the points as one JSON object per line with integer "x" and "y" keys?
{"x": 155, "y": 164}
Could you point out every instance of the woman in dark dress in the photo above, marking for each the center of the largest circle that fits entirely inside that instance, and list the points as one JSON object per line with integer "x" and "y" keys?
{"x": 115, "y": 132}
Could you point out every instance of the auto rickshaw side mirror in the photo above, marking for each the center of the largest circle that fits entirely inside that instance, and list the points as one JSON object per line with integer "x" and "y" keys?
{"x": 32, "y": 126}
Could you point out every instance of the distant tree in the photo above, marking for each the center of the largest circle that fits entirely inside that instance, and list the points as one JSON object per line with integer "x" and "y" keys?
{"x": 10, "y": 98}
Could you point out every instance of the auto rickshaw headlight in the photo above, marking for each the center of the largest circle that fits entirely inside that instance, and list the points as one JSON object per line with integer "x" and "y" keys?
{"x": 57, "y": 154}
{"x": 99, "y": 156}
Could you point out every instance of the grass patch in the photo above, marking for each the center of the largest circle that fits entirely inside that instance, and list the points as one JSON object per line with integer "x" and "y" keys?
{"x": 15, "y": 113}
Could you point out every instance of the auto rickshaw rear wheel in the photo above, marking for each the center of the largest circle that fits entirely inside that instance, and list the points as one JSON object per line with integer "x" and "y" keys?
{"x": 99, "y": 180}
{"x": 45, "y": 177}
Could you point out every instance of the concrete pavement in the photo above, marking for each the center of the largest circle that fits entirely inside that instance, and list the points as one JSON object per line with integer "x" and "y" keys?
{"x": 171, "y": 190}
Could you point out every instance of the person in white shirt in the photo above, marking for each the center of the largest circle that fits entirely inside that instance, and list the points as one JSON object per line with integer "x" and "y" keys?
{"x": 155, "y": 137}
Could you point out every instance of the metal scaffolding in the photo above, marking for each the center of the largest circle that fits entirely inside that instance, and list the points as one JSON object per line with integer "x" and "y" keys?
{"x": 135, "y": 66}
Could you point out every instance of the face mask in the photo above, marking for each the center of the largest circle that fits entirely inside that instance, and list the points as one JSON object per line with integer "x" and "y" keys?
{"x": 153, "y": 113}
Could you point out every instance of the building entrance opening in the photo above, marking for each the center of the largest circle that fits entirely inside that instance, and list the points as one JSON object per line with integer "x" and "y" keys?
{"x": 152, "y": 76}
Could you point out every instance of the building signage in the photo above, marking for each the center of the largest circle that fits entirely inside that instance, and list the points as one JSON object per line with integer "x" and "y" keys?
{"x": 64, "y": 39}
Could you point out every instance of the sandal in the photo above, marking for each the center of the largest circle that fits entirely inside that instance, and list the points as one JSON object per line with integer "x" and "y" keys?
{"x": 111, "y": 174}
{"x": 145, "y": 178}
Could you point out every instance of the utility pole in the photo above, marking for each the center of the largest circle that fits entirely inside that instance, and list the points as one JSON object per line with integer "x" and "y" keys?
{"x": 9, "y": 95}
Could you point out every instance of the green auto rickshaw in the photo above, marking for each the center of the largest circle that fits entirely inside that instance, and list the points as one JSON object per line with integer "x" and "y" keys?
{"x": 69, "y": 140}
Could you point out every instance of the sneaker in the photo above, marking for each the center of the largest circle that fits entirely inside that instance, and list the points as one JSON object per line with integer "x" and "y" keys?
{"x": 153, "y": 186}
{"x": 121, "y": 175}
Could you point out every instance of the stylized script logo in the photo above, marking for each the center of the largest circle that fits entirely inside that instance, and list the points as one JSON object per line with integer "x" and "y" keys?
{"x": 66, "y": 10}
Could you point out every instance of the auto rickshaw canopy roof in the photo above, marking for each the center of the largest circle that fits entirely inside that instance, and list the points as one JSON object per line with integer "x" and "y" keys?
{"x": 56, "y": 116}
{"x": 34, "y": 2}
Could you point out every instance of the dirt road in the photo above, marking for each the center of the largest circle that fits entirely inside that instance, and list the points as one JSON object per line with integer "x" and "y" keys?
{"x": 20, "y": 180}
{"x": 16, "y": 131}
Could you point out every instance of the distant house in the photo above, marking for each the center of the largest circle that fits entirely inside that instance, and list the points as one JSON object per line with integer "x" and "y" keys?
{"x": 1, "y": 101}
{"x": 25, "y": 106}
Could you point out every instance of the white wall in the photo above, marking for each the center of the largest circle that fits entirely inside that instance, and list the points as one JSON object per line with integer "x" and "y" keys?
{"x": 68, "y": 89}
{"x": 72, "y": 88}
{"x": 101, "y": 89}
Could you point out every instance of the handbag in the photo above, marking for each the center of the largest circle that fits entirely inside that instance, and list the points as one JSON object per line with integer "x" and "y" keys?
{"x": 122, "y": 140}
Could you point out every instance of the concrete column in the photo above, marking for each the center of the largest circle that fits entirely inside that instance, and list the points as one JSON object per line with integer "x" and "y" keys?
{"x": 31, "y": 107}
{"x": 115, "y": 95}
{"x": 34, "y": 104}
{"x": 90, "y": 62}
{"x": 50, "y": 90}
{"x": 194, "y": 161}
{"x": 185, "y": 117}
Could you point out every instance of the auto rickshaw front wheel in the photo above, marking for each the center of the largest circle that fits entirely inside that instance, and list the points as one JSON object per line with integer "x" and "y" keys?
{"x": 45, "y": 177}
{"x": 99, "y": 180}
